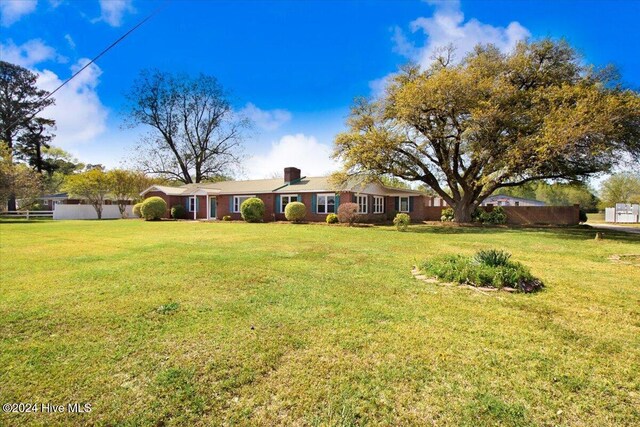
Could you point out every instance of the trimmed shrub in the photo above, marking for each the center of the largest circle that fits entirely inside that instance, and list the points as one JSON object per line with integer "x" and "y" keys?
{"x": 476, "y": 215}
{"x": 153, "y": 208}
{"x": 332, "y": 218}
{"x": 491, "y": 268}
{"x": 137, "y": 210}
{"x": 496, "y": 216}
{"x": 177, "y": 212}
{"x": 226, "y": 218}
{"x": 295, "y": 211}
{"x": 348, "y": 213}
{"x": 447, "y": 215}
{"x": 252, "y": 210}
{"x": 402, "y": 221}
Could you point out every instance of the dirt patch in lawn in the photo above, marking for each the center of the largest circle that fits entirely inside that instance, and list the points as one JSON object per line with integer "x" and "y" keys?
{"x": 631, "y": 259}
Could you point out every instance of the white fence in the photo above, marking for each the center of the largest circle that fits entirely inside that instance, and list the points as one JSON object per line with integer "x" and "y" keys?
{"x": 27, "y": 214}
{"x": 623, "y": 212}
{"x": 88, "y": 212}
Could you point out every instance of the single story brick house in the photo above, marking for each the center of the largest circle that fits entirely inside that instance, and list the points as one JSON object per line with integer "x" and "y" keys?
{"x": 215, "y": 200}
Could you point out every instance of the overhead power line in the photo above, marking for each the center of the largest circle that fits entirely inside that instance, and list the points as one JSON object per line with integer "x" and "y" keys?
{"x": 108, "y": 48}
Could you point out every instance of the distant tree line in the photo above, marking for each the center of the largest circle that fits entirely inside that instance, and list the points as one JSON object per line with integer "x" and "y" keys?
{"x": 31, "y": 166}
{"x": 556, "y": 194}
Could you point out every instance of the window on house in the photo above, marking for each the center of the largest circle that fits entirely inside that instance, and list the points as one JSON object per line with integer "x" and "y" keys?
{"x": 378, "y": 204}
{"x": 362, "y": 204}
{"x": 404, "y": 204}
{"x": 286, "y": 199}
{"x": 326, "y": 203}
{"x": 237, "y": 202}
{"x": 192, "y": 204}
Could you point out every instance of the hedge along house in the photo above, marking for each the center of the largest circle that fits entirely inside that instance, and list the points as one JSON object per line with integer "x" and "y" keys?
{"x": 376, "y": 202}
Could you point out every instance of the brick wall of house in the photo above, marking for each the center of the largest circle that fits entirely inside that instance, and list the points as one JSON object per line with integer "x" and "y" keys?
{"x": 306, "y": 199}
{"x": 422, "y": 209}
{"x": 225, "y": 204}
{"x": 418, "y": 212}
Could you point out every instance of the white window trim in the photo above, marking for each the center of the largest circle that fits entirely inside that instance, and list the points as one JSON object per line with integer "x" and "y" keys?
{"x": 326, "y": 204}
{"x": 192, "y": 199}
{"x": 364, "y": 198}
{"x": 400, "y": 203}
{"x": 282, "y": 196}
{"x": 378, "y": 208}
{"x": 236, "y": 202}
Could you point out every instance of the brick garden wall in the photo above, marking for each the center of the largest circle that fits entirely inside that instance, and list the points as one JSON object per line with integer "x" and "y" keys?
{"x": 524, "y": 215}
{"x": 557, "y": 215}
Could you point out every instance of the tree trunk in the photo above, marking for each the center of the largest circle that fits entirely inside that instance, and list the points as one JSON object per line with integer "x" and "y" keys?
{"x": 462, "y": 212}
{"x": 38, "y": 157}
{"x": 98, "y": 210}
{"x": 11, "y": 203}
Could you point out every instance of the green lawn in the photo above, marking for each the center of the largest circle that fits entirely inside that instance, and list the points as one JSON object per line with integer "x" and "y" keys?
{"x": 598, "y": 218}
{"x": 280, "y": 324}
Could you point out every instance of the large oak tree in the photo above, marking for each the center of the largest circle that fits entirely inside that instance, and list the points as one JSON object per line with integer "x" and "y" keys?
{"x": 493, "y": 120}
{"x": 194, "y": 134}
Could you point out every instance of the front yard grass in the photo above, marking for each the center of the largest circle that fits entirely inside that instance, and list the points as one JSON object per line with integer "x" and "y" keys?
{"x": 598, "y": 218}
{"x": 191, "y": 323}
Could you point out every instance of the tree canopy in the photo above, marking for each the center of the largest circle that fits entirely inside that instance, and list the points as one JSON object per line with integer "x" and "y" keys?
{"x": 17, "y": 180}
{"x": 92, "y": 185}
{"x": 194, "y": 133}
{"x": 491, "y": 121}
{"x": 620, "y": 188}
{"x": 126, "y": 185}
{"x": 22, "y": 130}
{"x": 556, "y": 194}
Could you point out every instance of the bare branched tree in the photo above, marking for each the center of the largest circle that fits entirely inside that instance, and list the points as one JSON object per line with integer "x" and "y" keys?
{"x": 194, "y": 136}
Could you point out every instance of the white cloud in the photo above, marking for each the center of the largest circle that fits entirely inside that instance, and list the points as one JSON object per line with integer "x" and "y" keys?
{"x": 401, "y": 44}
{"x": 448, "y": 26}
{"x": 299, "y": 150}
{"x": 378, "y": 86}
{"x": 12, "y": 10}
{"x": 79, "y": 114}
{"x": 29, "y": 53}
{"x": 69, "y": 39}
{"x": 113, "y": 11}
{"x": 269, "y": 120}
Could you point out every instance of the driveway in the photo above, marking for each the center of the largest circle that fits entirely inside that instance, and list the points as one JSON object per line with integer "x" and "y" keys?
{"x": 614, "y": 227}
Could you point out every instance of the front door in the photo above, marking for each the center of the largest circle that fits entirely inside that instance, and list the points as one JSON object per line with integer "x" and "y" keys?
{"x": 212, "y": 211}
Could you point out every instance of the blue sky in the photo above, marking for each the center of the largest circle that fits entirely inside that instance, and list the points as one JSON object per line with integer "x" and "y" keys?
{"x": 293, "y": 66}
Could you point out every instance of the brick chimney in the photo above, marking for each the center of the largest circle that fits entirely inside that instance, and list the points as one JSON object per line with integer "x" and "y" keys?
{"x": 291, "y": 174}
